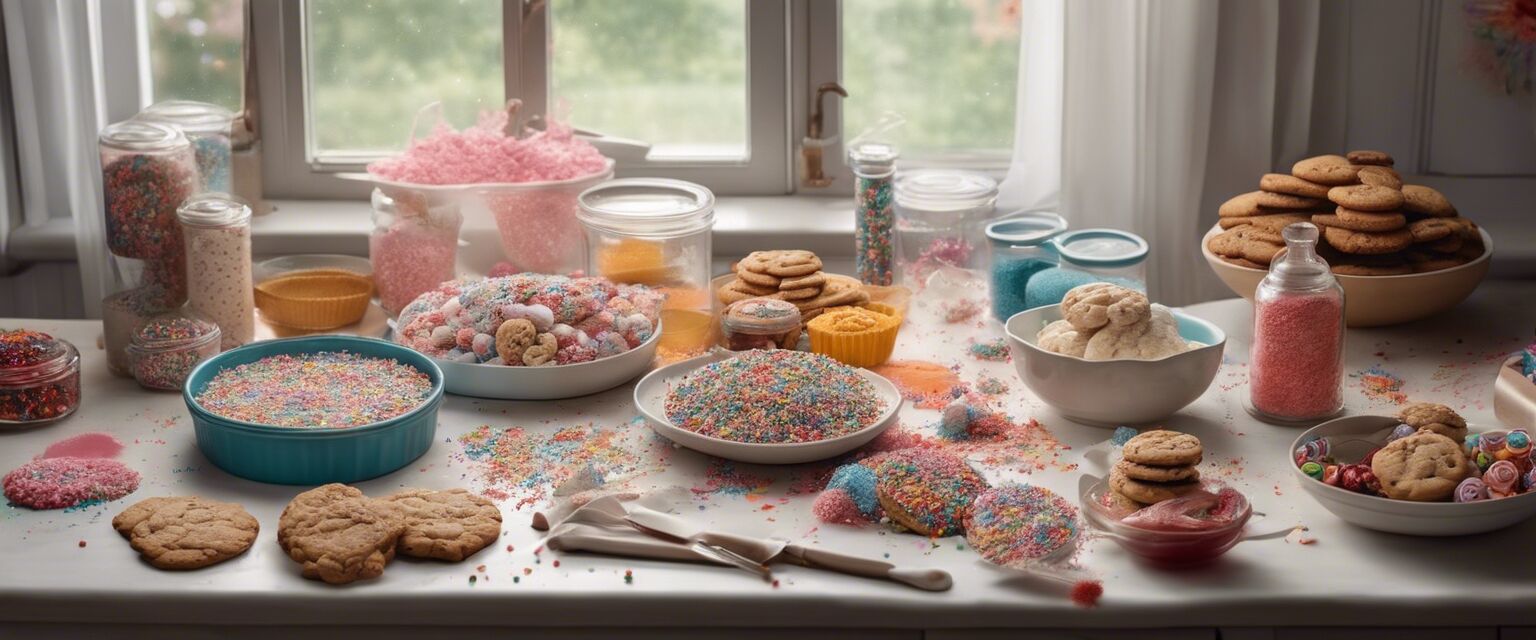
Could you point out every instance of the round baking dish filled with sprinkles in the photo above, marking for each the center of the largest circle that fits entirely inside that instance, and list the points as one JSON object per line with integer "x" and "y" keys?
{"x": 767, "y": 407}
{"x": 315, "y": 410}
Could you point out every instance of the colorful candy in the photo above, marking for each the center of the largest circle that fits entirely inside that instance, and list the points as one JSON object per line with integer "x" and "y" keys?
{"x": 1358, "y": 478}
{"x": 1121, "y": 436}
{"x": 1502, "y": 478}
{"x": 1313, "y": 450}
{"x": 1312, "y": 469}
{"x": 1401, "y": 431}
{"x": 1518, "y": 443}
{"x": 1491, "y": 442}
{"x": 774, "y": 397}
{"x": 321, "y": 390}
{"x": 1471, "y": 490}
{"x": 1013, "y": 525}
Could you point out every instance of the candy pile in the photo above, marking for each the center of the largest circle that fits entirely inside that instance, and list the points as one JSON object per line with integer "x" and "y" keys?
{"x": 774, "y": 397}
{"x": 484, "y": 153}
{"x": 324, "y": 389}
{"x": 39, "y": 377}
{"x": 529, "y": 319}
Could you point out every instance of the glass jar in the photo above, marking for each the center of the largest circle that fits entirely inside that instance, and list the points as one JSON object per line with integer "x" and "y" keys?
{"x": 874, "y": 165}
{"x": 1090, "y": 255}
{"x": 147, "y": 172}
{"x": 1296, "y": 360}
{"x": 761, "y": 323}
{"x": 207, "y": 127}
{"x": 656, "y": 232}
{"x": 1020, "y": 248}
{"x": 217, "y": 230}
{"x": 940, "y": 215}
{"x": 165, "y": 349}
{"x": 414, "y": 246}
{"x": 39, "y": 377}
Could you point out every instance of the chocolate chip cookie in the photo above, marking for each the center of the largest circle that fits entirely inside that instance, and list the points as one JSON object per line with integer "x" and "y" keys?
{"x": 1148, "y": 492}
{"x": 1434, "y": 417}
{"x": 1163, "y": 448}
{"x": 1423, "y": 467}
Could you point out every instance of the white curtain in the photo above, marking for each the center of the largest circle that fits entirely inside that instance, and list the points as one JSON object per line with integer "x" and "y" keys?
{"x": 1167, "y": 107}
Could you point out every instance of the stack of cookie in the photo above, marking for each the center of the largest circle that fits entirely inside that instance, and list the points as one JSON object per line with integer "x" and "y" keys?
{"x": 1156, "y": 466}
{"x": 1372, "y": 223}
{"x": 794, "y": 276}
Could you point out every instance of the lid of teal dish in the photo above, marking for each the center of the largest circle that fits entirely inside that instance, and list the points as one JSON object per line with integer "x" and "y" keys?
{"x": 1101, "y": 248}
{"x": 1028, "y": 229}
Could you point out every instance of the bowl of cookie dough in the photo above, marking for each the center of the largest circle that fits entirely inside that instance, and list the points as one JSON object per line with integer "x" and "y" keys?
{"x": 1375, "y": 300}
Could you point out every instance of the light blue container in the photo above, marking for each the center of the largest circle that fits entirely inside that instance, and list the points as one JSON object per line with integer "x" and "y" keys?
{"x": 285, "y": 455}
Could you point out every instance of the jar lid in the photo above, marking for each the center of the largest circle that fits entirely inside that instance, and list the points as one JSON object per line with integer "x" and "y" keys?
{"x": 175, "y": 330}
{"x": 1026, "y": 229}
{"x": 647, "y": 207}
{"x": 213, "y": 209}
{"x": 873, "y": 155}
{"x": 137, "y": 135}
{"x": 761, "y": 316}
{"x": 26, "y": 355}
{"x": 190, "y": 116}
{"x": 1101, "y": 248}
{"x": 1299, "y": 267}
{"x": 944, "y": 190}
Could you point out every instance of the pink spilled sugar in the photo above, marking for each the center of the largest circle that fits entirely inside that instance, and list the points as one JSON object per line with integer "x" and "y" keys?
{"x": 58, "y": 483}
{"x": 85, "y": 445}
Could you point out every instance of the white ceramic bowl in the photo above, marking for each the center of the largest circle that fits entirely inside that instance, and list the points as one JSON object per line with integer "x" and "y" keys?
{"x": 651, "y": 398}
{"x": 1354, "y": 436}
{"x": 548, "y": 383}
{"x": 1114, "y": 392}
{"x": 1376, "y": 301}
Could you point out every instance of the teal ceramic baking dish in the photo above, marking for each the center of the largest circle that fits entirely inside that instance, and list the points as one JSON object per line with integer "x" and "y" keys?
{"x": 281, "y": 455}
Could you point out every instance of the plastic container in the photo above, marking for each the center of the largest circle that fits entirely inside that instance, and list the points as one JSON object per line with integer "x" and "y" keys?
{"x": 874, "y": 165}
{"x": 166, "y": 349}
{"x": 39, "y": 378}
{"x": 760, "y": 323}
{"x": 283, "y": 455}
{"x": 414, "y": 246}
{"x": 1090, "y": 255}
{"x": 1296, "y": 360}
{"x": 217, "y": 230}
{"x": 207, "y": 127}
{"x": 656, "y": 232}
{"x": 147, "y": 172}
{"x": 940, "y": 220}
{"x": 1020, "y": 248}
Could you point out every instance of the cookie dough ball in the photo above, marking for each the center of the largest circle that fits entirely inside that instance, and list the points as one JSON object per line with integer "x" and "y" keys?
{"x": 1434, "y": 417}
{"x": 1063, "y": 338}
{"x": 1423, "y": 467}
{"x": 1153, "y": 338}
{"x": 1100, "y": 304}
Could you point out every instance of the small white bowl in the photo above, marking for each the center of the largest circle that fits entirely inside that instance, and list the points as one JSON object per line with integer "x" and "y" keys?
{"x": 651, "y": 398}
{"x": 548, "y": 383}
{"x": 1115, "y": 392}
{"x": 1354, "y": 436}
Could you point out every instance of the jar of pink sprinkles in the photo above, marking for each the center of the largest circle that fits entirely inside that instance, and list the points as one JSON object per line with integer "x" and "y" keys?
{"x": 1296, "y": 363}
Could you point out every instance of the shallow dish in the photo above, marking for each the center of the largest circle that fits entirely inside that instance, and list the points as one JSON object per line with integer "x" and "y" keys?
{"x": 1354, "y": 436}
{"x": 1376, "y": 301}
{"x": 285, "y": 455}
{"x": 1169, "y": 549}
{"x": 1114, "y": 392}
{"x": 651, "y": 399}
{"x": 548, "y": 383}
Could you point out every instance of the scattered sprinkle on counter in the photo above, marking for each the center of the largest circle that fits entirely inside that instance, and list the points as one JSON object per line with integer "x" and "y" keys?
{"x": 774, "y": 397}
{"x": 317, "y": 390}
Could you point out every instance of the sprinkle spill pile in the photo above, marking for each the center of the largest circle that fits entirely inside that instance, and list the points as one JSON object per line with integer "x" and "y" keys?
{"x": 774, "y": 397}
{"x": 926, "y": 384}
{"x": 1382, "y": 386}
{"x": 58, "y": 483}
{"x": 933, "y": 488}
{"x": 484, "y": 153}
{"x": 324, "y": 389}
{"x": 1014, "y": 524}
{"x": 514, "y": 461}
{"x": 991, "y": 350}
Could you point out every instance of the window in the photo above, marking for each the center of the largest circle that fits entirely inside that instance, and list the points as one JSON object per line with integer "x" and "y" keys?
{"x": 194, "y": 50}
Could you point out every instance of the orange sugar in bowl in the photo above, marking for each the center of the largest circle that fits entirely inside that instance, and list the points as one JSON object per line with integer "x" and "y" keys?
{"x": 315, "y": 299}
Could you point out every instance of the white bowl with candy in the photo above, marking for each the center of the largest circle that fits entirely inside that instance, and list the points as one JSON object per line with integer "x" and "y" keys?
{"x": 1331, "y": 462}
{"x": 533, "y": 336}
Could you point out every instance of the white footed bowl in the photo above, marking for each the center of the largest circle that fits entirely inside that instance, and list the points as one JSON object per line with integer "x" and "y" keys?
{"x": 548, "y": 383}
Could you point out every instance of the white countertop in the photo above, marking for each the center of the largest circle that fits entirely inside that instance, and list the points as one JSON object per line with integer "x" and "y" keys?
{"x": 1349, "y": 577}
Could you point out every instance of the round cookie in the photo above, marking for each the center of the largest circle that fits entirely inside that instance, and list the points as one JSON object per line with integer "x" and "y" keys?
{"x": 1360, "y": 220}
{"x": 1366, "y": 243}
{"x": 793, "y": 295}
{"x": 338, "y": 534}
{"x": 1449, "y": 244}
{"x": 447, "y": 525}
{"x": 1246, "y": 243}
{"x": 186, "y": 532}
{"x": 1369, "y": 157}
{"x": 513, "y": 337}
{"x": 927, "y": 490}
{"x": 755, "y": 280}
{"x": 1380, "y": 177}
{"x": 1423, "y": 467}
{"x": 1430, "y": 229}
{"x": 1328, "y": 170}
{"x": 1382, "y": 265}
{"x": 1149, "y": 473}
{"x": 1148, "y": 492}
{"x": 1274, "y": 222}
{"x": 1163, "y": 448}
{"x": 1247, "y": 264}
{"x": 1426, "y": 201}
{"x": 1425, "y": 262}
{"x": 786, "y": 263}
{"x": 1282, "y": 183}
{"x": 814, "y": 281}
{"x": 838, "y": 291}
{"x": 1364, "y": 197}
{"x": 1016, "y": 524}
{"x": 1435, "y": 417}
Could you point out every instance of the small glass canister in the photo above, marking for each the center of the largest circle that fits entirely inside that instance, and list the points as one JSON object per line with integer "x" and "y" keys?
{"x": 166, "y": 348}
{"x": 1020, "y": 248}
{"x": 940, "y": 215}
{"x": 414, "y": 246}
{"x": 761, "y": 323}
{"x": 656, "y": 232}
{"x": 1296, "y": 361}
{"x": 1090, "y": 255}
{"x": 217, "y": 230}
{"x": 873, "y": 165}
{"x": 207, "y": 127}
{"x": 39, "y": 377}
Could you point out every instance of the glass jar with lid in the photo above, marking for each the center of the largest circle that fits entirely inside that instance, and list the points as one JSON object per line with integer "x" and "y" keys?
{"x": 217, "y": 230}
{"x": 208, "y": 128}
{"x": 1090, "y": 255}
{"x": 39, "y": 377}
{"x": 760, "y": 323}
{"x": 414, "y": 246}
{"x": 1296, "y": 360}
{"x": 166, "y": 348}
{"x": 1020, "y": 247}
{"x": 940, "y": 215}
{"x": 873, "y": 165}
{"x": 656, "y": 232}
{"x": 147, "y": 172}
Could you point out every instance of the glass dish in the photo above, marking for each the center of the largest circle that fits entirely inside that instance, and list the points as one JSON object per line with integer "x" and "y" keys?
{"x": 1168, "y": 549}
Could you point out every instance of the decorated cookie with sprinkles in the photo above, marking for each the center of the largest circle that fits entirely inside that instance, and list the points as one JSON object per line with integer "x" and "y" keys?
{"x": 774, "y": 397}
{"x": 927, "y": 490}
{"x": 59, "y": 483}
{"x": 1015, "y": 524}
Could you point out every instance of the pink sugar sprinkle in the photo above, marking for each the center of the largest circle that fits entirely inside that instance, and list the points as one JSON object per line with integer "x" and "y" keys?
{"x": 483, "y": 153}
{"x": 57, "y": 483}
{"x": 837, "y": 507}
{"x": 1295, "y": 369}
{"x": 85, "y": 445}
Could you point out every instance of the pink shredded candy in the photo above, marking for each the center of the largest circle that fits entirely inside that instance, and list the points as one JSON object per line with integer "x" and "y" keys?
{"x": 483, "y": 153}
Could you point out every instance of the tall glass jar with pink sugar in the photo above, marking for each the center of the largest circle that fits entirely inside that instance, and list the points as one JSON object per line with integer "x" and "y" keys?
{"x": 1296, "y": 362}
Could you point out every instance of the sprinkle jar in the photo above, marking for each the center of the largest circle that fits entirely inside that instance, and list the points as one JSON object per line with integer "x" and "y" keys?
{"x": 873, "y": 165}
{"x": 165, "y": 349}
{"x": 216, "y": 228}
{"x": 940, "y": 215}
{"x": 39, "y": 377}
{"x": 1296, "y": 361}
{"x": 207, "y": 127}
{"x": 414, "y": 245}
{"x": 761, "y": 323}
{"x": 1020, "y": 248}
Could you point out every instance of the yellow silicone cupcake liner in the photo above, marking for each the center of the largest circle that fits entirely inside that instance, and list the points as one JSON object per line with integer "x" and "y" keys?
{"x": 857, "y": 336}
{"x": 315, "y": 300}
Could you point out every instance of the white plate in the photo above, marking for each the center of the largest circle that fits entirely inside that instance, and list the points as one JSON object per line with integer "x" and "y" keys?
{"x": 1401, "y": 516}
{"x": 548, "y": 383}
{"x": 651, "y": 399}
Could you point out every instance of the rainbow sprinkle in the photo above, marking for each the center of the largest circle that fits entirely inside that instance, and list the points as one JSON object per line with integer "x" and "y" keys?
{"x": 530, "y": 464}
{"x": 934, "y": 488}
{"x": 323, "y": 389}
{"x": 1014, "y": 524}
{"x": 991, "y": 350}
{"x": 1380, "y": 385}
{"x": 774, "y": 397}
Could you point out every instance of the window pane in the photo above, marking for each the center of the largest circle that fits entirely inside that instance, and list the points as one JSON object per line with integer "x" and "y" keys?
{"x": 948, "y": 66}
{"x": 372, "y": 65}
{"x": 194, "y": 50}
{"x": 670, "y": 72}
